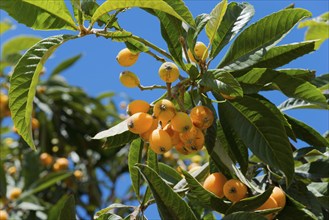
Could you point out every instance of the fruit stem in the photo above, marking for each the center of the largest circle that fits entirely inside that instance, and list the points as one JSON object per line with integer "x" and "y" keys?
{"x": 169, "y": 90}
{"x": 182, "y": 42}
{"x": 156, "y": 56}
{"x": 151, "y": 87}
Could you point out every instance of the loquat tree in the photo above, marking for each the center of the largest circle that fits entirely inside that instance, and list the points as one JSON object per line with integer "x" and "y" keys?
{"x": 240, "y": 145}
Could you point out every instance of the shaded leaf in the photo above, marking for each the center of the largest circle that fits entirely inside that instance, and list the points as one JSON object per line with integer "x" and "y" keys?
{"x": 170, "y": 204}
{"x": 192, "y": 34}
{"x": 243, "y": 216}
{"x": 24, "y": 81}
{"x": 303, "y": 74}
{"x": 40, "y": 15}
{"x": 65, "y": 65}
{"x": 64, "y": 209}
{"x": 3, "y": 180}
{"x": 134, "y": 157}
{"x": 237, "y": 15}
{"x": 314, "y": 170}
{"x": 261, "y": 36}
{"x": 168, "y": 173}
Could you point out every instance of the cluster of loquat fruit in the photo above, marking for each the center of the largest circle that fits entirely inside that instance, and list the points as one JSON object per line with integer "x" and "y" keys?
{"x": 234, "y": 190}
{"x": 166, "y": 127}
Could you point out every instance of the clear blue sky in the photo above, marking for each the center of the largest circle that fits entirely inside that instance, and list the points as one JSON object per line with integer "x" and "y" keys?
{"x": 97, "y": 71}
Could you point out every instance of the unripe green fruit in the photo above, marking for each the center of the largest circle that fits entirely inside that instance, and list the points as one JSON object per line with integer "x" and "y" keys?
{"x": 129, "y": 79}
{"x": 168, "y": 72}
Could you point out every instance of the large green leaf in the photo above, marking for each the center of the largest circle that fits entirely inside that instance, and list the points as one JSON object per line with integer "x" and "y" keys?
{"x": 293, "y": 103}
{"x": 160, "y": 5}
{"x": 170, "y": 204}
{"x": 168, "y": 173}
{"x": 261, "y": 36}
{"x": 134, "y": 157}
{"x": 18, "y": 44}
{"x": 317, "y": 29}
{"x": 281, "y": 55}
{"x": 236, "y": 17}
{"x": 203, "y": 196}
{"x": 192, "y": 34}
{"x": 64, "y": 209}
{"x": 258, "y": 127}
{"x": 117, "y": 135}
{"x": 244, "y": 216}
{"x": 303, "y": 74}
{"x": 213, "y": 24}
{"x": 314, "y": 170}
{"x": 307, "y": 133}
{"x": 40, "y": 15}
{"x": 24, "y": 81}
{"x": 65, "y": 65}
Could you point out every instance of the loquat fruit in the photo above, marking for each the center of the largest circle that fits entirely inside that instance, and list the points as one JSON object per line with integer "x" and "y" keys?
{"x": 235, "y": 190}
{"x": 164, "y": 110}
{"x": 129, "y": 79}
{"x": 46, "y": 159}
{"x": 61, "y": 164}
{"x": 168, "y": 72}
{"x": 35, "y": 123}
{"x": 12, "y": 170}
{"x": 279, "y": 195}
{"x": 127, "y": 58}
{"x": 78, "y": 174}
{"x": 174, "y": 135}
{"x": 215, "y": 184}
{"x": 181, "y": 148}
{"x": 160, "y": 141}
{"x": 138, "y": 106}
{"x": 146, "y": 135}
{"x": 3, "y": 215}
{"x": 269, "y": 204}
{"x": 15, "y": 193}
{"x": 200, "y": 50}
{"x": 181, "y": 122}
{"x": 139, "y": 122}
{"x": 202, "y": 117}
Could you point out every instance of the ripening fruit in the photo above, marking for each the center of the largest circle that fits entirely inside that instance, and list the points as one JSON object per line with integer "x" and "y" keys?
{"x": 202, "y": 117}
{"x": 215, "y": 183}
{"x": 139, "y": 122}
{"x": 138, "y": 106}
{"x": 181, "y": 148}
{"x": 3, "y": 215}
{"x": 35, "y": 123}
{"x": 129, "y": 79}
{"x": 199, "y": 50}
{"x": 160, "y": 141}
{"x": 78, "y": 174}
{"x": 174, "y": 135}
{"x": 15, "y": 193}
{"x": 46, "y": 159}
{"x": 12, "y": 170}
{"x": 146, "y": 135}
{"x": 61, "y": 164}
{"x": 269, "y": 204}
{"x": 168, "y": 72}
{"x": 164, "y": 110}
{"x": 181, "y": 122}
{"x": 279, "y": 195}
{"x": 198, "y": 142}
{"x": 235, "y": 190}
{"x": 126, "y": 58}
{"x": 3, "y": 101}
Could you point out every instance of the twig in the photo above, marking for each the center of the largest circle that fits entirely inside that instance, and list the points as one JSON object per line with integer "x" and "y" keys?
{"x": 151, "y": 87}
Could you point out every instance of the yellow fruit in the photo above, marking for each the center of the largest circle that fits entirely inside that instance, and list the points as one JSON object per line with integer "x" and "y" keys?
{"x": 193, "y": 139}
{"x": 146, "y": 135}
{"x": 235, "y": 190}
{"x": 202, "y": 117}
{"x": 160, "y": 141}
{"x": 78, "y": 174}
{"x": 181, "y": 122}
{"x": 168, "y": 72}
{"x": 15, "y": 193}
{"x": 129, "y": 79}
{"x": 46, "y": 159}
{"x": 215, "y": 183}
{"x": 181, "y": 148}
{"x": 139, "y": 122}
{"x": 126, "y": 58}
{"x": 279, "y": 196}
{"x": 12, "y": 170}
{"x": 3, "y": 215}
{"x": 35, "y": 123}
{"x": 61, "y": 164}
{"x": 164, "y": 110}
{"x": 174, "y": 135}
{"x": 3, "y": 100}
{"x": 138, "y": 106}
{"x": 199, "y": 50}
{"x": 269, "y": 204}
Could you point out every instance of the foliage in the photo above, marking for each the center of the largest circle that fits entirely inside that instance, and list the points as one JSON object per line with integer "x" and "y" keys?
{"x": 250, "y": 139}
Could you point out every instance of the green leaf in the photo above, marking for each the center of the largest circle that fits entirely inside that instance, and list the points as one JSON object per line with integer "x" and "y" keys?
{"x": 293, "y": 103}
{"x": 314, "y": 170}
{"x": 284, "y": 54}
{"x": 65, "y": 65}
{"x": 78, "y": 14}
{"x": 103, "y": 212}
{"x": 261, "y": 36}
{"x": 215, "y": 21}
{"x": 259, "y": 129}
{"x": 3, "y": 180}
{"x": 244, "y": 216}
{"x": 5, "y": 26}
{"x": 222, "y": 82}
{"x": 17, "y": 44}
{"x": 40, "y": 15}
{"x": 192, "y": 34}
{"x": 203, "y": 196}
{"x": 136, "y": 46}
{"x": 24, "y": 81}
{"x": 170, "y": 204}
{"x": 160, "y": 5}
{"x": 134, "y": 157}
{"x": 307, "y": 133}
{"x": 250, "y": 203}
{"x": 168, "y": 173}
{"x": 236, "y": 17}
{"x": 317, "y": 29}
{"x": 303, "y": 74}
{"x": 64, "y": 209}
{"x": 117, "y": 135}
{"x": 118, "y": 36}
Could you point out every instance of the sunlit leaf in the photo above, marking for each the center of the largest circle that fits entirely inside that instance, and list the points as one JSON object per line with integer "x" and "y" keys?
{"x": 5, "y": 26}
{"x": 134, "y": 157}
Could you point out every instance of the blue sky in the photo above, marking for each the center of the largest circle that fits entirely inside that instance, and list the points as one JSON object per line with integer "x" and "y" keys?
{"x": 97, "y": 71}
